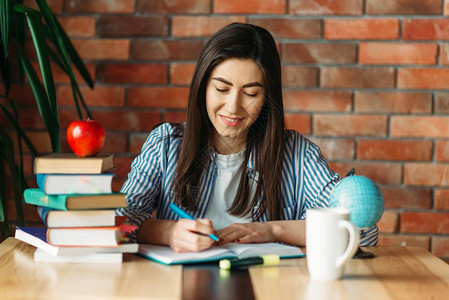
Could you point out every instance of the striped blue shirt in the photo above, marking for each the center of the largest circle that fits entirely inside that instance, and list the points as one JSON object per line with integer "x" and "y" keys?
{"x": 307, "y": 181}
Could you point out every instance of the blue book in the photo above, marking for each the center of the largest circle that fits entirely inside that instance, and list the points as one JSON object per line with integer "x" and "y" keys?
{"x": 54, "y": 184}
{"x": 36, "y": 196}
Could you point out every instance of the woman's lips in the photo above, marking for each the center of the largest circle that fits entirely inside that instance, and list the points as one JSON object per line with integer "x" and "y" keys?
{"x": 231, "y": 122}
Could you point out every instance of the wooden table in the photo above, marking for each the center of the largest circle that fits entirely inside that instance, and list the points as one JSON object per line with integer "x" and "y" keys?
{"x": 395, "y": 273}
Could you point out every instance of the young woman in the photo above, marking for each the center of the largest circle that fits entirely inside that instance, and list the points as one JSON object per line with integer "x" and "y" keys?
{"x": 232, "y": 166}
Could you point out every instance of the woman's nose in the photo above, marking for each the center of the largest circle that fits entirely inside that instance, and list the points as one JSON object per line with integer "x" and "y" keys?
{"x": 233, "y": 102}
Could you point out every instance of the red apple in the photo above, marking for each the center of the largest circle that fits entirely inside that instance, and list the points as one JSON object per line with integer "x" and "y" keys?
{"x": 86, "y": 138}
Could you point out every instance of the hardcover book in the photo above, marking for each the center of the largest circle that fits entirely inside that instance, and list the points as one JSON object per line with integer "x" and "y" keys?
{"x": 83, "y": 218}
{"x": 69, "y": 163}
{"x": 165, "y": 255}
{"x": 37, "y": 237}
{"x": 54, "y": 184}
{"x": 110, "y": 236}
{"x": 36, "y": 196}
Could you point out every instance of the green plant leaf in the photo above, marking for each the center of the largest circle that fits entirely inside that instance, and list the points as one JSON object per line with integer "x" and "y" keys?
{"x": 51, "y": 122}
{"x": 4, "y": 67}
{"x": 19, "y": 38}
{"x": 19, "y": 130}
{"x": 75, "y": 57}
{"x": 35, "y": 25}
{"x": 5, "y": 24}
{"x": 8, "y": 151}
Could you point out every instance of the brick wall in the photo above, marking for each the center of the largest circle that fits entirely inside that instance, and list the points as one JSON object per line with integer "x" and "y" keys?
{"x": 368, "y": 80}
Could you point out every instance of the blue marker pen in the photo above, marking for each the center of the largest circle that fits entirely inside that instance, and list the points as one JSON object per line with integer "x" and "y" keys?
{"x": 182, "y": 214}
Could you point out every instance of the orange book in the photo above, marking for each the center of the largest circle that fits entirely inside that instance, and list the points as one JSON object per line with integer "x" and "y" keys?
{"x": 110, "y": 236}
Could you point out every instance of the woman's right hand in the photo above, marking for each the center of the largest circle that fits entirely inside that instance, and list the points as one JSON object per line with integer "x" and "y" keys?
{"x": 190, "y": 235}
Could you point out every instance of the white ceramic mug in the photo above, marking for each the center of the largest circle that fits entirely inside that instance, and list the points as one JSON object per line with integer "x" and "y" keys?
{"x": 328, "y": 250}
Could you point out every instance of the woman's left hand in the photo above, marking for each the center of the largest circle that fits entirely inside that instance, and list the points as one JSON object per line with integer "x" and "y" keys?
{"x": 244, "y": 233}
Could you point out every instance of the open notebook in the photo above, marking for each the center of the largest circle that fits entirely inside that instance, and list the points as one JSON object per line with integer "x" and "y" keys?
{"x": 166, "y": 255}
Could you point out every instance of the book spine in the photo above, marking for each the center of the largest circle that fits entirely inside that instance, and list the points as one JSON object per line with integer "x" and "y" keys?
{"x": 40, "y": 180}
{"x": 37, "y": 197}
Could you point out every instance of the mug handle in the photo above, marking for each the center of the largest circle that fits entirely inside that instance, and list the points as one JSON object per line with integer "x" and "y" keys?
{"x": 354, "y": 239}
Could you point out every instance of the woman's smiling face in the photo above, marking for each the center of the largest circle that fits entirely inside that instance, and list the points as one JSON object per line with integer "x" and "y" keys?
{"x": 235, "y": 95}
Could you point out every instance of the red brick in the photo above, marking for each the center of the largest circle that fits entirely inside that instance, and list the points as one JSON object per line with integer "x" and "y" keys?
{"x": 122, "y": 166}
{"x": 319, "y": 53}
{"x": 290, "y": 28}
{"x": 117, "y": 183}
{"x": 317, "y": 100}
{"x": 441, "y": 199}
{"x": 165, "y": 50}
{"x": 60, "y": 76}
{"x": 201, "y": 26}
{"x": 393, "y": 102}
{"x": 116, "y": 26}
{"x": 133, "y": 73}
{"x": 104, "y": 96}
{"x": 364, "y": 29}
{"x": 426, "y": 174}
{"x": 29, "y": 118}
{"x": 424, "y": 222}
{"x": 78, "y": 26}
{"x": 403, "y": 7}
{"x": 423, "y": 78}
{"x": 40, "y": 140}
{"x": 175, "y": 116}
{"x": 29, "y": 211}
{"x": 298, "y": 122}
{"x": 446, "y": 7}
{"x": 102, "y": 49}
{"x": 299, "y": 76}
{"x": 250, "y": 6}
{"x": 440, "y": 246}
{"x": 404, "y": 241}
{"x": 158, "y": 97}
{"x": 100, "y": 6}
{"x": 174, "y": 6}
{"x": 442, "y": 150}
{"x": 349, "y": 125}
{"x": 397, "y": 53}
{"x": 136, "y": 141}
{"x": 425, "y": 29}
{"x": 444, "y": 54}
{"x": 55, "y": 5}
{"x": 326, "y": 7}
{"x": 397, "y": 150}
{"x": 417, "y": 126}
{"x": 388, "y": 223}
{"x": 407, "y": 198}
{"x": 334, "y": 149}
{"x": 181, "y": 74}
{"x": 337, "y": 77}
{"x": 441, "y": 103}
{"x": 122, "y": 120}
{"x": 381, "y": 173}
{"x": 20, "y": 95}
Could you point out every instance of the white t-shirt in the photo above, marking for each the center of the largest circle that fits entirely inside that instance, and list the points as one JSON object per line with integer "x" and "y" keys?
{"x": 229, "y": 171}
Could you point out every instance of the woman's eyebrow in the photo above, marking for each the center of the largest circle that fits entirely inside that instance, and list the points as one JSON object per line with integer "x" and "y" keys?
{"x": 251, "y": 84}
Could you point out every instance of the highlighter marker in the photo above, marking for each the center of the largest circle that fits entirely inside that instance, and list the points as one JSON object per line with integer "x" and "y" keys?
{"x": 266, "y": 260}
{"x": 182, "y": 214}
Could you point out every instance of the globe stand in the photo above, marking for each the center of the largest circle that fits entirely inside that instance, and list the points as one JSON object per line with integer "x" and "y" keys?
{"x": 360, "y": 254}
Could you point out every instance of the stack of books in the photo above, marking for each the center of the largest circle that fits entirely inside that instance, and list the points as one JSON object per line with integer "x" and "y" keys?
{"x": 78, "y": 205}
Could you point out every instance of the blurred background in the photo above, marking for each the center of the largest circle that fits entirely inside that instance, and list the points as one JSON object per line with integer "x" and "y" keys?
{"x": 367, "y": 80}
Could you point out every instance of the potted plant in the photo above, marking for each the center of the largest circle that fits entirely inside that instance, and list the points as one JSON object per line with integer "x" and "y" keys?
{"x": 52, "y": 45}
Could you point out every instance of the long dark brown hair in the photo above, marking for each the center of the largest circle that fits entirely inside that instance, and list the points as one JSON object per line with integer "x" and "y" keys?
{"x": 266, "y": 135}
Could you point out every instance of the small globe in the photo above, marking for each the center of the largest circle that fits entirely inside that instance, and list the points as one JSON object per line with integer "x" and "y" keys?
{"x": 362, "y": 197}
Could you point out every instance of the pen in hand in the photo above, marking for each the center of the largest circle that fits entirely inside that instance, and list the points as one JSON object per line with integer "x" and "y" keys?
{"x": 182, "y": 214}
